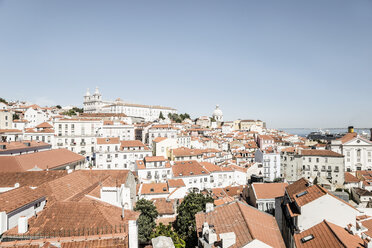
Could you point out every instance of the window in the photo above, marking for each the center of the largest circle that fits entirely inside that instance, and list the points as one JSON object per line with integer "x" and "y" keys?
{"x": 317, "y": 160}
{"x": 309, "y": 160}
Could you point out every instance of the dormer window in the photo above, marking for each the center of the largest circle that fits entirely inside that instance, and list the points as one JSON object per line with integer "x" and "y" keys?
{"x": 151, "y": 190}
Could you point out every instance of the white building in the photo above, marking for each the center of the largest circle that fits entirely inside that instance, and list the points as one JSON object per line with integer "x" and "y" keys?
{"x": 35, "y": 116}
{"x": 270, "y": 159}
{"x": 95, "y": 104}
{"x": 117, "y": 128}
{"x": 77, "y": 134}
{"x": 154, "y": 169}
{"x": 193, "y": 174}
{"x": 357, "y": 151}
{"x": 311, "y": 164}
{"x": 262, "y": 195}
{"x": 165, "y": 131}
{"x": 111, "y": 153}
{"x": 161, "y": 146}
{"x": 6, "y": 119}
{"x": 220, "y": 177}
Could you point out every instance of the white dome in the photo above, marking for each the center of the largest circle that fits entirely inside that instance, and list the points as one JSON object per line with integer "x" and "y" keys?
{"x": 217, "y": 111}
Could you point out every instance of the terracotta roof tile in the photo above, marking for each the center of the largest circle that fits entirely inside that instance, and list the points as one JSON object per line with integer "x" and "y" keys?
{"x": 246, "y": 222}
{"x": 269, "y": 190}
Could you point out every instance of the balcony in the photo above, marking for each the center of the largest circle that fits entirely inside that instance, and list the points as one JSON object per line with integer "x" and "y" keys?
{"x": 149, "y": 176}
{"x": 329, "y": 170}
{"x": 82, "y": 143}
{"x": 329, "y": 177}
{"x": 59, "y": 144}
{"x": 108, "y": 160}
{"x": 157, "y": 176}
{"x": 164, "y": 176}
{"x": 73, "y": 144}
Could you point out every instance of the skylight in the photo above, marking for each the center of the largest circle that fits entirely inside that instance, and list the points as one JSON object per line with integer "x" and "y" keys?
{"x": 307, "y": 238}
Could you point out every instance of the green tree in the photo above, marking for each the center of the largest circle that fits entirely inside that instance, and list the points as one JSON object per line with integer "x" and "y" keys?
{"x": 58, "y": 107}
{"x": 185, "y": 224}
{"x": 146, "y": 220}
{"x": 161, "y": 116}
{"x": 15, "y": 117}
{"x": 163, "y": 230}
{"x": 3, "y": 100}
{"x": 77, "y": 110}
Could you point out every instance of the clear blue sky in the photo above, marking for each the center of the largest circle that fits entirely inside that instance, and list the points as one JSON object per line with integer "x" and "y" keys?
{"x": 290, "y": 63}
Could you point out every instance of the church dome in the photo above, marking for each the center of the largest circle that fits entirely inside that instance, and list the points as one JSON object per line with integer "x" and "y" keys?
{"x": 217, "y": 112}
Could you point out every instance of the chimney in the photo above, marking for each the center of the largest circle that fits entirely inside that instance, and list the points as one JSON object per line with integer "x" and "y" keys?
{"x": 209, "y": 207}
{"x": 367, "y": 243}
{"x": 22, "y": 225}
{"x": 350, "y": 129}
{"x": 133, "y": 234}
{"x": 228, "y": 239}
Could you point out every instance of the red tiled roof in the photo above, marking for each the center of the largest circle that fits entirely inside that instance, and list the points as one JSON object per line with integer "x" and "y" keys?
{"x": 324, "y": 153}
{"x": 42, "y": 160}
{"x": 159, "y": 139}
{"x": 154, "y": 188}
{"x": 349, "y": 178}
{"x": 246, "y": 222}
{"x": 327, "y": 235}
{"x": 107, "y": 141}
{"x": 188, "y": 168}
{"x": 29, "y": 178}
{"x": 16, "y": 198}
{"x": 175, "y": 183}
{"x": 44, "y": 125}
{"x": 155, "y": 159}
{"x": 269, "y": 190}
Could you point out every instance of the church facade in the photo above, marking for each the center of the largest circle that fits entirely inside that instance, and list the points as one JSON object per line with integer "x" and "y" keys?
{"x": 93, "y": 103}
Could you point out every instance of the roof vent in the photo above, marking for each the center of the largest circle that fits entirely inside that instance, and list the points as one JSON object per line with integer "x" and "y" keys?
{"x": 301, "y": 194}
{"x": 191, "y": 173}
{"x": 203, "y": 172}
{"x": 307, "y": 238}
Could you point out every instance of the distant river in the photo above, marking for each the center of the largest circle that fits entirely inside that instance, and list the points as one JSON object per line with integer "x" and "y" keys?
{"x": 305, "y": 131}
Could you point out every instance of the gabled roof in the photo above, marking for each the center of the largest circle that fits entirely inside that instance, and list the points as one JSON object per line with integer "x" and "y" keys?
{"x": 154, "y": 188}
{"x": 131, "y": 143}
{"x": 159, "y": 139}
{"x": 347, "y": 137}
{"x": 320, "y": 153}
{"x": 44, "y": 125}
{"x": 269, "y": 190}
{"x": 246, "y": 222}
{"x": 188, "y": 168}
{"x": 349, "y": 178}
{"x": 327, "y": 235}
{"x": 108, "y": 141}
{"x": 77, "y": 215}
{"x": 42, "y": 160}
{"x": 19, "y": 197}
{"x": 176, "y": 183}
{"x": 296, "y": 187}
{"x": 29, "y": 178}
